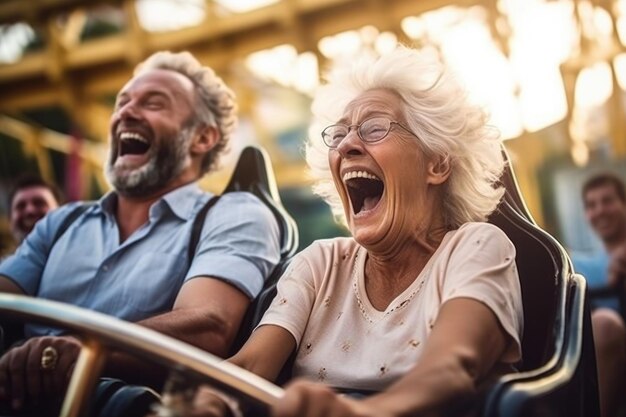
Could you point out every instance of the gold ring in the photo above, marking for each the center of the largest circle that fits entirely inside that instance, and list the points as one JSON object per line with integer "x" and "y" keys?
{"x": 49, "y": 357}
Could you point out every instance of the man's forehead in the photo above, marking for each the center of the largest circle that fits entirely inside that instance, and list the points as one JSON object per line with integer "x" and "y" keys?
{"x": 159, "y": 80}
{"x": 602, "y": 190}
{"x": 34, "y": 191}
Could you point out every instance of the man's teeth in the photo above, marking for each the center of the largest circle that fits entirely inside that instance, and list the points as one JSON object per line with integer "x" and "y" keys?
{"x": 132, "y": 135}
{"x": 359, "y": 174}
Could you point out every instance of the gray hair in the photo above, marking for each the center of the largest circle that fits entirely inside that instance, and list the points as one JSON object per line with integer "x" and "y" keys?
{"x": 216, "y": 104}
{"x": 436, "y": 109}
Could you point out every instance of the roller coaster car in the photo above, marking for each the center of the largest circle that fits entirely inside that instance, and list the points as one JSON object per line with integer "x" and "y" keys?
{"x": 557, "y": 376}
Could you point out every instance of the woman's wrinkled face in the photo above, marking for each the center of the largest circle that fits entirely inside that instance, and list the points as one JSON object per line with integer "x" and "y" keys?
{"x": 383, "y": 185}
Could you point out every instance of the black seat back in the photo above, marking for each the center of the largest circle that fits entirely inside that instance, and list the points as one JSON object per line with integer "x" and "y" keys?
{"x": 558, "y": 372}
{"x": 542, "y": 269}
{"x": 254, "y": 173}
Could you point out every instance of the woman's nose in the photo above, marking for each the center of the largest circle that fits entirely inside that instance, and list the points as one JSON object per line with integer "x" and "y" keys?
{"x": 351, "y": 144}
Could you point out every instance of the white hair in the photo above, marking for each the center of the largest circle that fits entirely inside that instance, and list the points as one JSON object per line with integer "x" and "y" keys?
{"x": 436, "y": 109}
{"x": 216, "y": 104}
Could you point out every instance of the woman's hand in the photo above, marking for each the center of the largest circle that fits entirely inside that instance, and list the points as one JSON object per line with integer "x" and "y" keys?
{"x": 309, "y": 399}
{"x": 207, "y": 403}
{"x": 302, "y": 399}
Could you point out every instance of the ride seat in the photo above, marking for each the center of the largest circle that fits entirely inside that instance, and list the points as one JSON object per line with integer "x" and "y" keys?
{"x": 558, "y": 372}
{"x": 254, "y": 173}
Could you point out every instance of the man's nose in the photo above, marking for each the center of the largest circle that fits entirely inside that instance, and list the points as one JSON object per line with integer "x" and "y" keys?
{"x": 31, "y": 208}
{"x": 128, "y": 111}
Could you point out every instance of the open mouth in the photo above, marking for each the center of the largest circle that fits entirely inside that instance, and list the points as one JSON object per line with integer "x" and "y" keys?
{"x": 132, "y": 143}
{"x": 365, "y": 190}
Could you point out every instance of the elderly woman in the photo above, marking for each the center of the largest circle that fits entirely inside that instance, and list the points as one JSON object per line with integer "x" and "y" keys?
{"x": 422, "y": 305}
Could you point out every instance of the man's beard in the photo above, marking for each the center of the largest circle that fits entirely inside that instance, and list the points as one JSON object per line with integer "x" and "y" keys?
{"x": 167, "y": 160}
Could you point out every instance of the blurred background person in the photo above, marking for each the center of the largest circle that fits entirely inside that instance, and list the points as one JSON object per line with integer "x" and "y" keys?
{"x": 30, "y": 199}
{"x": 604, "y": 201}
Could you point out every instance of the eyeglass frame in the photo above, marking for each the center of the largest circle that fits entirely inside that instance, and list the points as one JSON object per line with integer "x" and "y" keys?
{"x": 358, "y": 131}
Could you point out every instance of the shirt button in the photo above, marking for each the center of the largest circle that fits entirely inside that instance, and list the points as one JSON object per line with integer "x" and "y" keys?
{"x": 105, "y": 268}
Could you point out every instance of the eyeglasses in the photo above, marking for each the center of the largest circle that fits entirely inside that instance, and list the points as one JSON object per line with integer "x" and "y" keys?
{"x": 369, "y": 131}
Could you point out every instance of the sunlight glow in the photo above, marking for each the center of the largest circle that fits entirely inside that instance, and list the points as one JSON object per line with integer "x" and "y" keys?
{"x": 283, "y": 65}
{"x": 619, "y": 64}
{"x": 462, "y": 36}
{"x": 590, "y": 120}
{"x": 243, "y": 6}
{"x": 13, "y": 40}
{"x": 621, "y": 29}
{"x": 580, "y": 154}
{"x": 166, "y": 15}
{"x": 343, "y": 44}
{"x": 594, "y": 85}
{"x": 589, "y": 124}
{"x": 511, "y": 62}
{"x": 385, "y": 43}
{"x": 414, "y": 27}
{"x": 544, "y": 35}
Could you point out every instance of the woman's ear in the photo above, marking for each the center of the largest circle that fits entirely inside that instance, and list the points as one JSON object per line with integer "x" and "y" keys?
{"x": 439, "y": 170}
{"x": 205, "y": 139}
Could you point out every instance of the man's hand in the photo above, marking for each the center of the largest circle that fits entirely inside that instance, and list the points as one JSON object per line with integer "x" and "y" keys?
{"x": 617, "y": 267}
{"x": 37, "y": 371}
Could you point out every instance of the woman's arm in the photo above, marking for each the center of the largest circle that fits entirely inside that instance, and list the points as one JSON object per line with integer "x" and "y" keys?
{"x": 264, "y": 354}
{"x": 266, "y": 351}
{"x": 464, "y": 345}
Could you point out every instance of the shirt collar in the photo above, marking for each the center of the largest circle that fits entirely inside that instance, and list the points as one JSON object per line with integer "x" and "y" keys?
{"x": 180, "y": 201}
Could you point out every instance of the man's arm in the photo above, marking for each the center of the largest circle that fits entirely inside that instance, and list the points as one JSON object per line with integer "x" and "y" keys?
{"x": 8, "y": 286}
{"x": 207, "y": 313}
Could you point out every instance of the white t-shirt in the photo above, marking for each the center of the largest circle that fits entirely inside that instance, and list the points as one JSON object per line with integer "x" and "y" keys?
{"x": 345, "y": 342}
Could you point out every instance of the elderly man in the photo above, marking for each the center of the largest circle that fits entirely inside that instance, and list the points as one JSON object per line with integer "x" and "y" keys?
{"x": 30, "y": 199}
{"x": 127, "y": 255}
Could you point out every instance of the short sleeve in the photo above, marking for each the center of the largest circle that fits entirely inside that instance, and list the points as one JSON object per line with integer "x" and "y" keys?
{"x": 25, "y": 267}
{"x": 482, "y": 267}
{"x": 593, "y": 267}
{"x": 239, "y": 243}
{"x": 295, "y": 296}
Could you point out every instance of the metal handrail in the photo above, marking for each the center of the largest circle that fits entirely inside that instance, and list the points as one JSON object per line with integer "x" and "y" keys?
{"x": 99, "y": 330}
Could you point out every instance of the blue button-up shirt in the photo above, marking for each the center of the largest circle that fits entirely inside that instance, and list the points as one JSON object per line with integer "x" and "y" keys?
{"x": 141, "y": 277}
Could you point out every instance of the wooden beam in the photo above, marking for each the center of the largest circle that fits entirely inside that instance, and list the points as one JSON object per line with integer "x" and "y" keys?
{"x": 135, "y": 36}
{"x": 12, "y": 11}
{"x": 220, "y": 43}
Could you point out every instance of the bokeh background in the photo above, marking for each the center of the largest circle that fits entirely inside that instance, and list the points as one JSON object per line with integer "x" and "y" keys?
{"x": 551, "y": 73}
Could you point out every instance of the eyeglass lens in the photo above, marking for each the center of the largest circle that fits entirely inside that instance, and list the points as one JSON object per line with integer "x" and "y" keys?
{"x": 370, "y": 130}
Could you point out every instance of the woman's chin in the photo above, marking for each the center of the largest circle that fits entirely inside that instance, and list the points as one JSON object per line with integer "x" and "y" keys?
{"x": 368, "y": 236}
